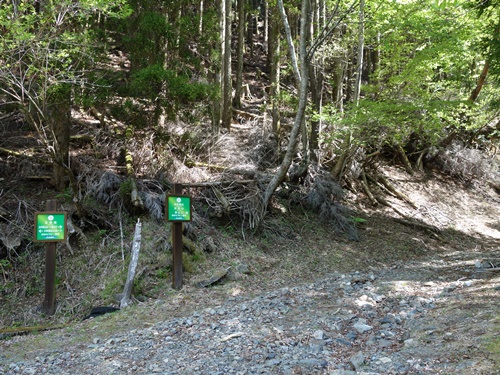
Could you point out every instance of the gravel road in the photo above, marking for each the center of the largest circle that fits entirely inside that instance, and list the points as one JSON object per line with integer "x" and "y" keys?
{"x": 393, "y": 321}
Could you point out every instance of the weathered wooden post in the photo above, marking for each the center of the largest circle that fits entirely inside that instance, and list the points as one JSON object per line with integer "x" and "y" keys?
{"x": 50, "y": 227}
{"x": 129, "y": 284}
{"x": 49, "y": 302}
{"x": 178, "y": 210}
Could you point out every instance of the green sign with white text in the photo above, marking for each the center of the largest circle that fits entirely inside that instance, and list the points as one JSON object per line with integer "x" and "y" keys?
{"x": 178, "y": 208}
{"x": 50, "y": 227}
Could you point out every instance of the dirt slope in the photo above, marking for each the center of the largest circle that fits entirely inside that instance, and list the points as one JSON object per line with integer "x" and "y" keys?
{"x": 445, "y": 251}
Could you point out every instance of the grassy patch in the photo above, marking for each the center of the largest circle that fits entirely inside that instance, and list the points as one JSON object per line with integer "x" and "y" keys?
{"x": 493, "y": 346}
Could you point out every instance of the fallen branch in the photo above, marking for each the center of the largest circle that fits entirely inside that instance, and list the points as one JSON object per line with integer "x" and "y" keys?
{"x": 23, "y": 330}
{"x": 217, "y": 183}
{"x": 496, "y": 269}
{"x": 410, "y": 223}
{"x": 245, "y": 114}
{"x": 232, "y": 336}
{"x": 190, "y": 163}
{"x": 247, "y": 173}
{"x": 24, "y": 154}
{"x": 383, "y": 202}
{"x": 136, "y": 247}
{"x": 385, "y": 183}
{"x": 395, "y": 191}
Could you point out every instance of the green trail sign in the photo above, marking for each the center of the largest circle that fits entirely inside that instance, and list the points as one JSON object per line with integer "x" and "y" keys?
{"x": 178, "y": 208}
{"x": 50, "y": 227}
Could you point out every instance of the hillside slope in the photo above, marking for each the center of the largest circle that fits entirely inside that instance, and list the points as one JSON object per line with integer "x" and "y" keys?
{"x": 409, "y": 298}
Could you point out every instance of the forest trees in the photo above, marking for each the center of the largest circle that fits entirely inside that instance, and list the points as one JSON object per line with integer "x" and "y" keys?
{"x": 46, "y": 50}
{"x": 421, "y": 65}
{"x": 488, "y": 12}
{"x": 369, "y": 77}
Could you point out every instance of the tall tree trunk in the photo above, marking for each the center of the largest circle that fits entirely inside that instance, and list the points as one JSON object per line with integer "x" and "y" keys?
{"x": 316, "y": 83}
{"x": 241, "y": 52}
{"x": 299, "y": 117}
{"x": 58, "y": 117}
{"x": 289, "y": 41}
{"x": 227, "y": 91}
{"x": 251, "y": 26}
{"x": 297, "y": 75}
{"x": 361, "y": 46}
{"x": 217, "y": 104}
{"x": 480, "y": 82}
{"x": 339, "y": 77}
{"x": 349, "y": 75}
{"x": 265, "y": 10}
{"x": 274, "y": 68}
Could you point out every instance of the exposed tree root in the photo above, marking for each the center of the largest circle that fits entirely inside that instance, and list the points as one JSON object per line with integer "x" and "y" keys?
{"x": 404, "y": 159}
{"x": 385, "y": 184}
{"x": 367, "y": 190}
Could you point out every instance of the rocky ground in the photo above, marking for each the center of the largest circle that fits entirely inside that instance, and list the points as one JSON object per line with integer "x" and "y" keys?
{"x": 414, "y": 318}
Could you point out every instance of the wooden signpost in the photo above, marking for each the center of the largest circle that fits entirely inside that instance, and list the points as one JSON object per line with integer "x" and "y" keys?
{"x": 178, "y": 210}
{"x": 50, "y": 227}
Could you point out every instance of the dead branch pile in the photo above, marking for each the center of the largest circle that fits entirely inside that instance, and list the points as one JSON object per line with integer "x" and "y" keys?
{"x": 113, "y": 190}
{"x": 241, "y": 201}
{"x": 264, "y": 147}
{"x": 324, "y": 195}
{"x": 16, "y": 226}
{"x": 468, "y": 164}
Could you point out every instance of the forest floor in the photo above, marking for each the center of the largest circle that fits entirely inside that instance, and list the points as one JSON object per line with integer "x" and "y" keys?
{"x": 437, "y": 275}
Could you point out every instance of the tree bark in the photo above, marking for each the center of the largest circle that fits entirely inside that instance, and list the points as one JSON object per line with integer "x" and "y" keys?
{"x": 241, "y": 52}
{"x": 226, "y": 70}
{"x": 299, "y": 117}
{"x": 58, "y": 117}
{"x": 361, "y": 46}
{"x": 218, "y": 70}
{"x": 274, "y": 68}
{"x": 316, "y": 82}
{"x": 251, "y": 26}
{"x": 338, "y": 78}
{"x": 289, "y": 41}
{"x": 482, "y": 78}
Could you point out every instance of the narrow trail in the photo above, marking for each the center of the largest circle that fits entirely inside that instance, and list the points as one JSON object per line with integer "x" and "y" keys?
{"x": 238, "y": 148}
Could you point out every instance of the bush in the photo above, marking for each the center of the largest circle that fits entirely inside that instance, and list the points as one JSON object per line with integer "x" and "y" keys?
{"x": 468, "y": 164}
{"x": 149, "y": 82}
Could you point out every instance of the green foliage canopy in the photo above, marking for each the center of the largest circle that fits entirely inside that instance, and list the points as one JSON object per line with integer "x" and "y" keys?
{"x": 429, "y": 62}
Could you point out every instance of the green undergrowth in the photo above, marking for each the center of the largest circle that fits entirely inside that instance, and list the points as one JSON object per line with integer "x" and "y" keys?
{"x": 293, "y": 246}
{"x": 493, "y": 343}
